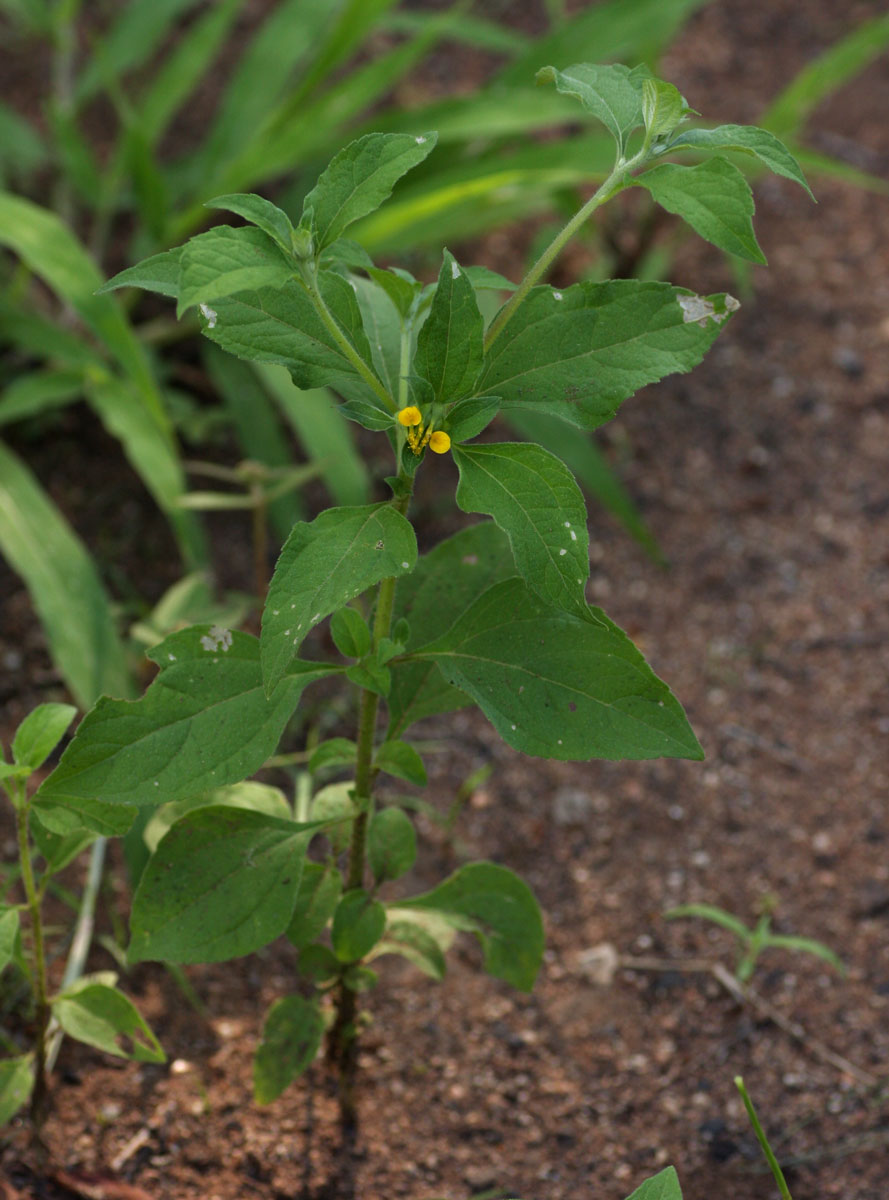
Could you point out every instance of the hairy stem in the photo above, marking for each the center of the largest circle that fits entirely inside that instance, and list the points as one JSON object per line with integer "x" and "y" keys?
{"x": 342, "y": 1046}
{"x": 612, "y": 184}
{"x": 39, "y": 1094}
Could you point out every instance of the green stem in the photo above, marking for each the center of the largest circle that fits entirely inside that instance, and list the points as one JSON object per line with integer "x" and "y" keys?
{"x": 612, "y": 184}
{"x": 343, "y": 1038}
{"x": 38, "y": 1095}
{"x": 763, "y": 1141}
{"x": 309, "y": 277}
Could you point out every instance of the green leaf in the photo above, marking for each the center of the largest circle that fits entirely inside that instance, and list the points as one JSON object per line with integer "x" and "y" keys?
{"x": 159, "y": 273}
{"x": 65, "y": 587}
{"x": 204, "y": 722}
{"x": 371, "y": 676}
{"x": 359, "y": 979}
{"x": 335, "y": 752}
{"x": 790, "y": 941}
{"x": 350, "y": 633}
{"x": 383, "y": 325}
{"x": 319, "y": 893}
{"x": 291, "y": 1037}
{"x": 16, "y": 1083}
{"x": 718, "y": 916}
{"x": 258, "y": 797}
{"x": 449, "y": 345}
{"x": 746, "y": 139}
{"x": 325, "y": 564}
{"x": 102, "y": 1016}
{"x": 663, "y": 107}
{"x": 401, "y": 760}
{"x": 40, "y": 733}
{"x": 534, "y": 499}
{"x": 334, "y": 806}
{"x": 224, "y": 261}
{"x": 445, "y": 582}
{"x": 663, "y": 1186}
{"x": 9, "y": 933}
{"x": 713, "y": 197}
{"x": 469, "y": 417}
{"x": 319, "y": 964}
{"x": 360, "y": 178}
{"x": 483, "y": 279}
{"x": 557, "y": 686}
{"x": 39, "y": 392}
{"x": 221, "y": 884}
{"x": 401, "y": 291}
{"x": 260, "y": 212}
{"x": 281, "y": 325}
{"x": 391, "y": 843}
{"x": 58, "y": 850}
{"x": 579, "y": 352}
{"x": 613, "y": 93}
{"x": 358, "y": 925}
{"x": 500, "y": 909}
{"x": 412, "y": 941}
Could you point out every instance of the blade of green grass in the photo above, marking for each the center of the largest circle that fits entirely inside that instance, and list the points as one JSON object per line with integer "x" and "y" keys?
{"x": 471, "y": 30}
{"x": 64, "y": 585}
{"x": 39, "y": 392}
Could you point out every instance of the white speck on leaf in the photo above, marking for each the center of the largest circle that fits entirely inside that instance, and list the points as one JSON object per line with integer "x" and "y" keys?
{"x": 561, "y": 552}
{"x": 210, "y": 315}
{"x": 276, "y": 612}
{"x": 421, "y": 141}
{"x": 217, "y": 639}
{"x": 513, "y": 726}
{"x": 156, "y": 784}
{"x": 171, "y": 657}
{"x": 557, "y": 295}
{"x": 455, "y": 270}
{"x": 287, "y": 633}
{"x": 567, "y": 524}
{"x": 573, "y": 536}
{"x": 405, "y": 566}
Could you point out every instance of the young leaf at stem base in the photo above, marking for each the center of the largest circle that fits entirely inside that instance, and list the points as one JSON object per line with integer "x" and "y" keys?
{"x": 291, "y": 1037}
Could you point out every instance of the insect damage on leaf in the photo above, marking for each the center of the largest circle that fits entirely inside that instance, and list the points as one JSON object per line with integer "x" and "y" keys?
{"x": 217, "y": 639}
{"x": 699, "y": 309}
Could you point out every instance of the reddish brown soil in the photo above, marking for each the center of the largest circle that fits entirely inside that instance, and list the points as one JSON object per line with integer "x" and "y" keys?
{"x": 764, "y": 479}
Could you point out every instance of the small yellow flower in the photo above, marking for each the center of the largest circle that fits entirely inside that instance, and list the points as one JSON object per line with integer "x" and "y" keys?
{"x": 440, "y": 443}
{"x": 410, "y": 415}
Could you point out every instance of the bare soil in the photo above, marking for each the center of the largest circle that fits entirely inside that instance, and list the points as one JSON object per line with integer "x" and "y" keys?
{"x": 764, "y": 479}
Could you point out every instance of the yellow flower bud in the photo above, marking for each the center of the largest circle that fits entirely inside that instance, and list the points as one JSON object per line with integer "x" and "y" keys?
{"x": 440, "y": 442}
{"x": 410, "y": 415}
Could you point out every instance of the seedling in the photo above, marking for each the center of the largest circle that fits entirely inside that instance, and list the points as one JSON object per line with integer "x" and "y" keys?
{"x": 90, "y": 1010}
{"x": 752, "y": 942}
{"x": 494, "y": 616}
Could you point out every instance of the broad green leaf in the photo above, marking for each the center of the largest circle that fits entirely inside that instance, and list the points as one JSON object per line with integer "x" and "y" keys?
{"x": 746, "y": 139}
{"x": 413, "y": 942}
{"x": 350, "y": 633}
{"x": 469, "y": 417}
{"x": 260, "y": 212}
{"x": 324, "y": 434}
{"x": 16, "y": 1082}
{"x": 384, "y": 328}
{"x": 713, "y": 197}
{"x": 401, "y": 760}
{"x": 325, "y": 564}
{"x": 579, "y": 352}
{"x": 334, "y": 806}
{"x": 371, "y": 676}
{"x": 534, "y": 499}
{"x": 58, "y": 850}
{"x": 557, "y": 686}
{"x": 103, "y": 1017}
{"x": 40, "y": 733}
{"x": 358, "y": 925}
{"x": 483, "y": 279}
{"x": 360, "y": 178}
{"x": 9, "y": 932}
{"x": 205, "y": 721}
{"x": 318, "y": 895}
{"x": 159, "y": 273}
{"x": 449, "y": 345}
{"x": 401, "y": 289}
{"x": 39, "y": 392}
{"x": 663, "y": 1186}
{"x": 663, "y": 107}
{"x": 391, "y": 844}
{"x": 221, "y": 884}
{"x": 291, "y": 1037}
{"x": 225, "y": 260}
{"x": 590, "y": 467}
{"x": 335, "y": 752}
{"x": 319, "y": 965}
{"x": 613, "y": 93}
{"x": 446, "y": 581}
{"x": 500, "y": 909}
{"x": 282, "y": 326}
{"x": 65, "y": 587}
{"x": 249, "y": 793}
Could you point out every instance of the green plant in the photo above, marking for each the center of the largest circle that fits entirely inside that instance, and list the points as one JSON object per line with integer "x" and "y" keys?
{"x": 89, "y": 1009}
{"x": 767, "y": 1150}
{"x": 753, "y": 941}
{"x": 495, "y": 615}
